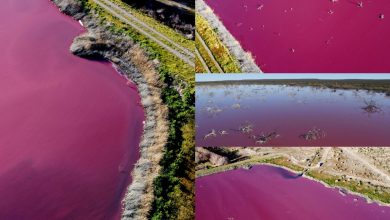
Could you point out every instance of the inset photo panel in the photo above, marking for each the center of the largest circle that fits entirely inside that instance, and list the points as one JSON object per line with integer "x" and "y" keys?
{"x": 330, "y": 36}
{"x": 302, "y": 183}
{"x": 292, "y": 110}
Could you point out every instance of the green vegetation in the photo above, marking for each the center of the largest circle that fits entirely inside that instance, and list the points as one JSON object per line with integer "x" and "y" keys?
{"x": 176, "y": 178}
{"x": 173, "y": 188}
{"x": 366, "y": 189}
{"x": 284, "y": 162}
{"x": 373, "y": 192}
{"x": 231, "y": 166}
{"x": 228, "y": 63}
{"x": 198, "y": 66}
{"x": 208, "y": 60}
{"x": 167, "y": 31}
{"x": 245, "y": 162}
{"x": 167, "y": 61}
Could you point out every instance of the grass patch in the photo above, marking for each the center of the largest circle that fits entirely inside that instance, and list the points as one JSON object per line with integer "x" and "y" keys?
{"x": 198, "y": 66}
{"x": 176, "y": 177}
{"x": 173, "y": 188}
{"x": 376, "y": 193}
{"x": 284, "y": 162}
{"x": 160, "y": 27}
{"x": 366, "y": 189}
{"x": 243, "y": 163}
{"x": 208, "y": 60}
{"x": 168, "y": 62}
{"x": 221, "y": 53}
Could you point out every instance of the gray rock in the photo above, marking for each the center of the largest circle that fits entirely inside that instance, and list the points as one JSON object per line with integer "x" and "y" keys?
{"x": 71, "y": 7}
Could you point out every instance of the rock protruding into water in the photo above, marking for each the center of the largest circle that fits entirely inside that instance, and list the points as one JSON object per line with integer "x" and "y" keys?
{"x": 73, "y": 8}
{"x": 99, "y": 46}
{"x": 204, "y": 155}
{"x": 90, "y": 46}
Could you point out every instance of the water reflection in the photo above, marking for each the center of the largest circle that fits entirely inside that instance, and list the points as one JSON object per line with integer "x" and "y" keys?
{"x": 281, "y": 115}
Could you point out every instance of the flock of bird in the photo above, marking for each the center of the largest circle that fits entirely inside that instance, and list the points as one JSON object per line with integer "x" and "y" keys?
{"x": 359, "y": 4}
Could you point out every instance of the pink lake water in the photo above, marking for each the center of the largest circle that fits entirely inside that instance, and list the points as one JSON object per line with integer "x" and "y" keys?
{"x": 266, "y": 192}
{"x": 301, "y": 36}
{"x": 289, "y": 111}
{"x": 70, "y": 127}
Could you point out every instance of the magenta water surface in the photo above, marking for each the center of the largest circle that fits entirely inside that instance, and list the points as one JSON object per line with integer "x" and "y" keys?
{"x": 289, "y": 112}
{"x": 266, "y": 192}
{"x": 70, "y": 128}
{"x": 300, "y": 36}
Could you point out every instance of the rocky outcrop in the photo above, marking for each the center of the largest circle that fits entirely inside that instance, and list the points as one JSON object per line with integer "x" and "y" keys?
{"x": 98, "y": 45}
{"x": 202, "y": 155}
{"x": 72, "y": 8}
{"x": 132, "y": 62}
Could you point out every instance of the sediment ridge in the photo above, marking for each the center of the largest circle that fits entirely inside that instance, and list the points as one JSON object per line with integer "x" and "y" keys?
{"x": 131, "y": 61}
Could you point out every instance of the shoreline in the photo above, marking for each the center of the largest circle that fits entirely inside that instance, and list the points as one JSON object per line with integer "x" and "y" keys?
{"x": 366, "y": 198}
{"x": 247, "y": 63}
{"x": 131, "y": 61}
{"x": 377, "y": 85}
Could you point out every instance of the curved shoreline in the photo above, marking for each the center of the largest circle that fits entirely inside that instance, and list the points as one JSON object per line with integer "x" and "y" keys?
{"x": 245, "y": 59}
{"x": 366, "y": 198}
{"x": 132, "y": 62}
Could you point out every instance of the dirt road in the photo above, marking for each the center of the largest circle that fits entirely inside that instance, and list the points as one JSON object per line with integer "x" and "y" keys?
{"x": 140, "y": 26}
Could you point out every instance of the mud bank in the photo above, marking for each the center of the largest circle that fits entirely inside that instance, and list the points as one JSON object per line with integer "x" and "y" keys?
{"x": 247, "y": 62}
{"x": 131, "y": 61}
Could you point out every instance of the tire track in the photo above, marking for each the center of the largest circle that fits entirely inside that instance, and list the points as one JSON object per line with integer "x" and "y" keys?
{"x": 151, "y": 29}
{"x": 202, "y": 61}
{"x": 209, "y": 52}
{"x": 367, "y": 163}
